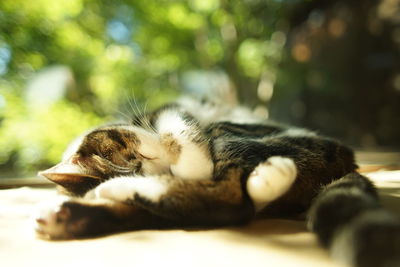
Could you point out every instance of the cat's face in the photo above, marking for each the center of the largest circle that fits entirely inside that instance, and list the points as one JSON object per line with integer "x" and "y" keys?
{"x": 104, "y": 153}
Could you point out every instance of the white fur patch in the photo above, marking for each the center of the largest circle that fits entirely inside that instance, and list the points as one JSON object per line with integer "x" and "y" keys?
{"x": 125, "y": 188}
{"x": 299, "y": 132}
{"x": 45, "y": 218}
{"x": 171, "y": 121}
{"x": 270, "y": 180}
{"x": 194, "y": 162}
{"x": 151, "y": 148}
{"x": 149, "y": 142}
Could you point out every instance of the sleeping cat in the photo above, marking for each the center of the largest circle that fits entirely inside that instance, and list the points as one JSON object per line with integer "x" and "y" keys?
{"x": 197, "y": 163}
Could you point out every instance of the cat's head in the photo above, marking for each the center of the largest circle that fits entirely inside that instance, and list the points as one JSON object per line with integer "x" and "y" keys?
{"x": 106, "y": 152}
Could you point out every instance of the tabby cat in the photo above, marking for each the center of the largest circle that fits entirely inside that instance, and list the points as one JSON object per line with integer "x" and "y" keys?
{"x": 196, "y": 163}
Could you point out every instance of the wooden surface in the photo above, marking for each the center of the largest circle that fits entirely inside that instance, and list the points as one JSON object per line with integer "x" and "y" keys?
{"x": 262, "y": 243}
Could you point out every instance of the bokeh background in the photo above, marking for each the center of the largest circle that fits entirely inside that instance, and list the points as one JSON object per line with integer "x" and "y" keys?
{"x": 68, "y": 65}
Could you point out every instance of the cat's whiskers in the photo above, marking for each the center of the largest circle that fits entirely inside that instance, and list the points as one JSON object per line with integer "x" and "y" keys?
{"x": 134, "y": 106}
{"x": 146, "y": 122}
{"x": 123, "y": 114}
{"x": 148, "y": 125}
{"x": 139, "y": 113}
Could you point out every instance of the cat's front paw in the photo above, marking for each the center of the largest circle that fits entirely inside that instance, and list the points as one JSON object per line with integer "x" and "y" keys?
{"x": 73, "y": 218}
{"x": 270, "y": 180}
{"x": 125, "y": 189}
{"x": 53, "y": 220}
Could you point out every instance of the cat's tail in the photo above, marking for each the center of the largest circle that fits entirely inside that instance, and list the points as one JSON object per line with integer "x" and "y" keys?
{"x": 348, "y": 219}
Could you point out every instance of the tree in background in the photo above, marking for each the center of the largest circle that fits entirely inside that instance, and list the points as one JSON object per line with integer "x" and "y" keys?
{"x": 341, "y": 71}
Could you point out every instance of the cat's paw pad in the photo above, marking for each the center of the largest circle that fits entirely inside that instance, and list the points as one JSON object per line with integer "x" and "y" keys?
{"x": 125, "y": 189}
{"x": 51, "y": 219}
{"x": 271, "y": 179}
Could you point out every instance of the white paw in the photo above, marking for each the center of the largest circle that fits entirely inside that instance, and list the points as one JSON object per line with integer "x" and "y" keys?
{"x": 270, "y": 180}
{"x": 125, "y": 189}
{"x": 49, "y": 217}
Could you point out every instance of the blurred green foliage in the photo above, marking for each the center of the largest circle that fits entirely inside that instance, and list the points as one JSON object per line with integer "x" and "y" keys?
{"x": 69, "y": 65}
{"x": 116, "y": 51}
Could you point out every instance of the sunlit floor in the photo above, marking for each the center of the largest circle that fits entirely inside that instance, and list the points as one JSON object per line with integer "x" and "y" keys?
{"x": 262, "y": 243}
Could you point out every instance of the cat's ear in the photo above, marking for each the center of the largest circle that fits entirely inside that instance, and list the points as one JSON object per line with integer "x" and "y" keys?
{"x": 71, "y": 176}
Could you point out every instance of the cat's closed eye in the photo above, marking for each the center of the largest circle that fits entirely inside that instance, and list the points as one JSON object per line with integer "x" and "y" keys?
{"x": 110, "y": 151}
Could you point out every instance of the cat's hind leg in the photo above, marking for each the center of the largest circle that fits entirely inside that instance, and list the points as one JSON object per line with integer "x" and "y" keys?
{"x": 270, "y": 180}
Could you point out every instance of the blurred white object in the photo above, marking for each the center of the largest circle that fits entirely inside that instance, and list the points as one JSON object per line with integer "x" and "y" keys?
{"x": 49, "y": 85}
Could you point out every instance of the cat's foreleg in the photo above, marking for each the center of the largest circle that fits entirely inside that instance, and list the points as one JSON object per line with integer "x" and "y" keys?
{"x": 129, "y": 203}
{"x": 185, "y": 144}
{"x": 124, "y": 189}
{"x": 270, "y": 180}
{"x": 71, "y": 218}
{"x": 185, "y": 201}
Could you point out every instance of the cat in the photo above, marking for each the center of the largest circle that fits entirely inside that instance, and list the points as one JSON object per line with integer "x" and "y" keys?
{"x": 209, "y": 163}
